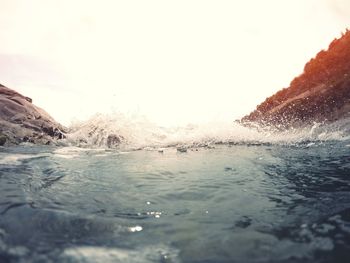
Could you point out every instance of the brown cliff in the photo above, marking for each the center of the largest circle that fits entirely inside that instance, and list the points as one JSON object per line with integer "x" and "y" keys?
{"x": 320, "y": 94}
{"x": 22, "y": 121}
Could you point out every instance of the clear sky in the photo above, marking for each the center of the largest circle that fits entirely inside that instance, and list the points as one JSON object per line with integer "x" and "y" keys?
{"x": 173, "y": 61}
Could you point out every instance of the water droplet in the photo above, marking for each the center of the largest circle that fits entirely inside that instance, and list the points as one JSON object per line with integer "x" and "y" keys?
{"x": 135, "y": 229}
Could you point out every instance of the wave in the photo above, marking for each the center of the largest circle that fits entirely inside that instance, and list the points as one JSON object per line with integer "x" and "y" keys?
{"x": 101, "y": 254}
{"x": 137, "y": 132}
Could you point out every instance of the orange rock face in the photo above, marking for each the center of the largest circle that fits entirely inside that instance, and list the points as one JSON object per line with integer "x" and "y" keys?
{"x": 320, "y": 94}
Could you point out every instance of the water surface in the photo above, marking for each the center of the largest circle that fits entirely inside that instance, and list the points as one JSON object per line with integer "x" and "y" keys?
{"x": 227, "y": 203}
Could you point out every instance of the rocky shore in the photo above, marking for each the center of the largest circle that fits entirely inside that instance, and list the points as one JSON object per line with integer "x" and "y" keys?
{"x": 22, "y": 121}
{"x": 320, "y": 94}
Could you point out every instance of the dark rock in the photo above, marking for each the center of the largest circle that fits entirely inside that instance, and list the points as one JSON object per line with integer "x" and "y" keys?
{"x": 28, "y": 139}
{"x": 3, "y": 139}
{"x": 181, "y": 149}
{"x": 54, "y": 132}
{"x": 22, "y": 121}
{"x": 113, "y": 140}
{"x": 320, "y": 94}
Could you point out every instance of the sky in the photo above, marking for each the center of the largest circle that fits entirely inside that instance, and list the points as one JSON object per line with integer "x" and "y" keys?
{"x": 175, "y": 62}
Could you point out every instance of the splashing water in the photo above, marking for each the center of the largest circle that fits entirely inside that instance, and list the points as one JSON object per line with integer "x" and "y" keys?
{"x": 136, "y": 132}
{"x": 216, "y": 193}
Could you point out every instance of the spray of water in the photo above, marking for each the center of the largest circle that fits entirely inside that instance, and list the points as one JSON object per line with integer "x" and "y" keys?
{"x": 136, "y": 132}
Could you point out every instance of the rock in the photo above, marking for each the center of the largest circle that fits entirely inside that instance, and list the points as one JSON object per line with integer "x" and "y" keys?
{"x": 320, "y": 94}
{"x": 3, "y": 139}
{"x": 22, "y": 121}
{"x": 113, "y": 140}
{"x": 181, "y": 149}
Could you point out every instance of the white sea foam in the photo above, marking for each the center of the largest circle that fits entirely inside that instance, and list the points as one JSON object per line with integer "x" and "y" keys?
{"x": 6, "y": 158}
{"x": 72, "y": 152}
{"x": 101, "y": 254}
{"x": 137, "y": 132}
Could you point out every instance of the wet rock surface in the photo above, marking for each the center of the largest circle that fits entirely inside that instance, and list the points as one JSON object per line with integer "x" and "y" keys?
{"x": 113, "y": 140}
{"x": 22, "y": 121}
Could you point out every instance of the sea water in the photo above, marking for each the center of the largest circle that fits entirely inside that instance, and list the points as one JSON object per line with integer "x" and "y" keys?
{"x": 210, "y": 196}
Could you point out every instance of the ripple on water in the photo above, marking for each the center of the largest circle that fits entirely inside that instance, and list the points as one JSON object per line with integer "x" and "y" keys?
{"x": 146, "y": 254}
{"x": 240, "y": 203}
